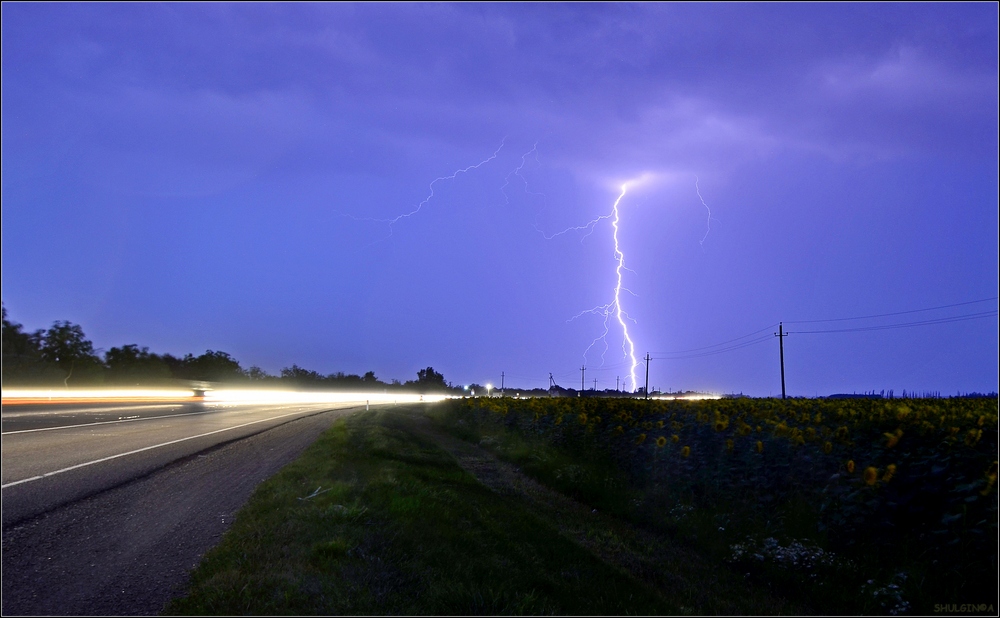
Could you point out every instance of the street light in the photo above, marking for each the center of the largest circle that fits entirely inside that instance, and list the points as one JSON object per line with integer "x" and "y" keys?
{"x": 488, "y": 388}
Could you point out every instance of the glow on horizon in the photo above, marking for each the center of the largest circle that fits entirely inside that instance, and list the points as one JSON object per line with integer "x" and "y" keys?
{"x": 699, "y": 397}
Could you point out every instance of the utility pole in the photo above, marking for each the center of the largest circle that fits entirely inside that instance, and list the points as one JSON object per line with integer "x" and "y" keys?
{"x": 583, "y": 383}
{"x": 552, "y": 381}
{"x": 595, "y": 385}
{"x": 617, "y": 379}
{"x": 647, "y": 375}
{"x": 501, "y": 383}
{"x": 781, "y": 355}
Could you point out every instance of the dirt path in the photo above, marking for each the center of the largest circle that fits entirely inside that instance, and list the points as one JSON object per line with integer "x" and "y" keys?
{"x": 657, "y": 561}
{"x": 128, "y": 550}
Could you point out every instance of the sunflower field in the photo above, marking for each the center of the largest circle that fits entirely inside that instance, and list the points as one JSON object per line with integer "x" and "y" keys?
{"x": 894, "y": 500}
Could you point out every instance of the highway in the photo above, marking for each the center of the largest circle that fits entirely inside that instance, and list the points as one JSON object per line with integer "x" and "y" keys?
{"x": 56, "y": 454}
{"x": 106, "y": 507}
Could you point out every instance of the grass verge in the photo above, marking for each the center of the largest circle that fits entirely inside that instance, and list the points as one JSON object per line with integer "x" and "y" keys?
{"x": 376, "y": 518}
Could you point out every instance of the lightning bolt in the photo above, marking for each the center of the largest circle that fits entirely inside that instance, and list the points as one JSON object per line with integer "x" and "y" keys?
{"x": 709, "y": 223}
{"x": 619, "y": 312}
{"x": 391, "y": 222}
{"x": 517, "y": 172}
{"x": 614, "y": 308}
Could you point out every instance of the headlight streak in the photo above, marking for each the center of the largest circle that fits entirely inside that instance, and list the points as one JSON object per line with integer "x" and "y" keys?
{"x": 221, "y": 396}
{"x": 232, "y": 396}
{"x": 70, "y": 396}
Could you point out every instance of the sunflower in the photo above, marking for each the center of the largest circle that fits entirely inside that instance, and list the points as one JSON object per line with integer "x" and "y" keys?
{"x": 850, "y": 466}
{"x": 891, "y": 440}
{"x": 661, "y": 441}
{"x": 760, "y": 446}
{"x": 686, "y": 451}
{"x": 641, "y": 438}
{"x": 991, "y": 480}
{"x": 973, "y": 437}
{"x": 675, "y": 438}
{"x": 729, "y": 445}
{"x": 871, "y": 475}
{"x": 827, "y": 447}
{"x": 890, "y": 470}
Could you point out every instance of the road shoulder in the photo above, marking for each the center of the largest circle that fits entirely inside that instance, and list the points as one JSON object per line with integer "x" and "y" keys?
{"x": 128, "y": 550}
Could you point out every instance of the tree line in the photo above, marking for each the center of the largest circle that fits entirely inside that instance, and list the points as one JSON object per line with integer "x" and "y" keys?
{"x": 62, "y": 355}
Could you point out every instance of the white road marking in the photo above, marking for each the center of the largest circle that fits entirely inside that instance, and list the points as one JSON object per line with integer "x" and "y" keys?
{"x": 14, "y": 411}
{"x": 125, "y": 420}
{"x": 97, "y": 461}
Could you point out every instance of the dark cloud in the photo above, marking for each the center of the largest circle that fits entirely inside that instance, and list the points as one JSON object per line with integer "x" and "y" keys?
{"x": 281, "y": 128}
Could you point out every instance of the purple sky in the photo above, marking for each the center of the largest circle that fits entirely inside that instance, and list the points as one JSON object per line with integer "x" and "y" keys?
{"x": 219, "y": 176}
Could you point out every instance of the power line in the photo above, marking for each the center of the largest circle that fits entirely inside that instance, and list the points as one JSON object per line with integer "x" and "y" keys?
{"x": 768, "y": 327}
{"x": 744, "y": 344}
{"x": 723, "y": 346}
{"x": 882, "y": 315}
{"x": 708, "y": 350}
{"x": 957, "y": 318}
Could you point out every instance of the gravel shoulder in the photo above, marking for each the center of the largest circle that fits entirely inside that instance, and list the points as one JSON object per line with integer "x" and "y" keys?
{"x": 128, "y": 550}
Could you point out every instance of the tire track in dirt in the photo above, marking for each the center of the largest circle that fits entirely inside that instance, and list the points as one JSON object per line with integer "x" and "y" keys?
{"x": 674, "y": 571}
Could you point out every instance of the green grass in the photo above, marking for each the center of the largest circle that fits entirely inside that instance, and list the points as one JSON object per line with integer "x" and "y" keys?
{"x": 395, "y": 526}
{"x": 787, "y": 520}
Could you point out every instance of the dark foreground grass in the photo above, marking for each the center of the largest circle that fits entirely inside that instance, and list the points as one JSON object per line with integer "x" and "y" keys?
{"x": 374, "y": 519}
{"x": 827, "y": 540}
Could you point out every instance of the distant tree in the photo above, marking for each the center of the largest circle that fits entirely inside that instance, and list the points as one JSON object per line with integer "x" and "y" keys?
{"x": 17, "y": 343}
{"x": 429, "y": 380}
{"x": 302, "y": 377}
{"x": 343, "y": 380}
{"x": 131, "y": 364}
{"x": 65, "y": 346}
{"x": 369, "y": 378}
{"x": 212, "y": 366}
{"x": 177, "y": 366}
{"x": 22, "y": 354}
{"x": 255, "y": 373}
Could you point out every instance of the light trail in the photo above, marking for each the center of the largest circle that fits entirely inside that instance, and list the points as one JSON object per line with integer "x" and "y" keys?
{"x": 221, "y": 395}
{"x": 93, "y": 396}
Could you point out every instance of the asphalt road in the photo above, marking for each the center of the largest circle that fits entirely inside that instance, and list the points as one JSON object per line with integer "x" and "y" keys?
{"x": 105, "y": 511}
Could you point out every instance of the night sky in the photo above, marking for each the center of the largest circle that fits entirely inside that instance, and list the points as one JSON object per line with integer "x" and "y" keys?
{"x": 383, "y": 186}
